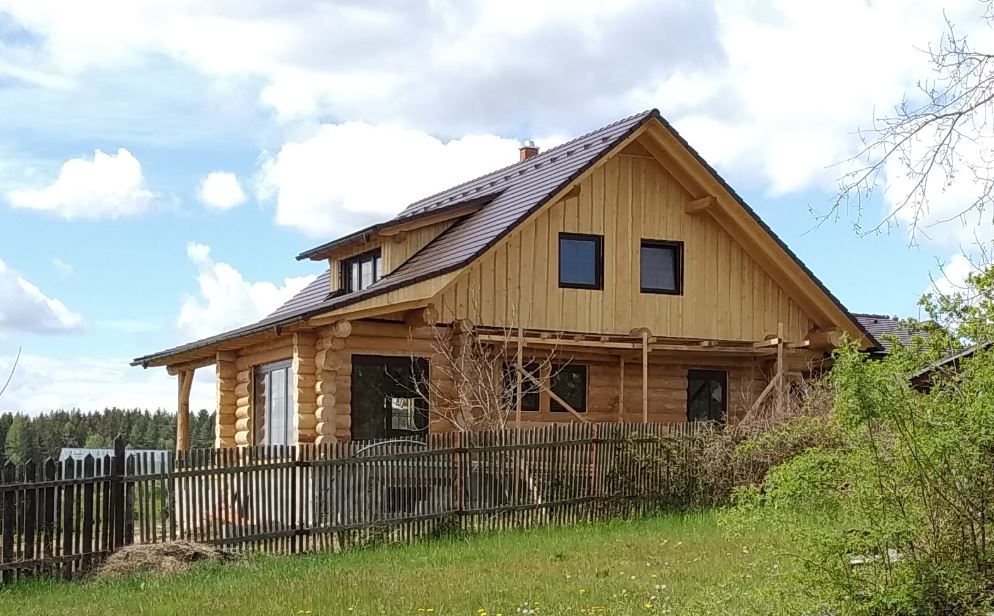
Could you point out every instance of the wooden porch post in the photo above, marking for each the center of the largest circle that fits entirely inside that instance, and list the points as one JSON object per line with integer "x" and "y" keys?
{"x": 518, "y": 393}
{"x": 645, "y": 376}
{"x": 780, "y": 355}
{"x": 621, "y": 388}
{"x": 185, "y": 380}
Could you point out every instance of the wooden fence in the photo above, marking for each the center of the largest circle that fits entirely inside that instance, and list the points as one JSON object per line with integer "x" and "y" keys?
{"x": 63, "y": 519}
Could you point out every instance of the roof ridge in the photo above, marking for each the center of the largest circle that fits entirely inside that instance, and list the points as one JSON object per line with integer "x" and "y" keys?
{"x": 534, "y": 159}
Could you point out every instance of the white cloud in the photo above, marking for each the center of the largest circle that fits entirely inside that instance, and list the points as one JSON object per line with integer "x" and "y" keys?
{"x": 63, "y": 268}
{"x": 221, "y": 190}
{"x": 337, "y": 179}
{"x": 952, "y": 276}
{"x": 226, "y": 300}
{"x": 519, "y": 67}
{"x": 385, "y": 62}
{"x": 106, "y": 186}
{"x": 42, "y": 383}
{"x": 25, "y": 308}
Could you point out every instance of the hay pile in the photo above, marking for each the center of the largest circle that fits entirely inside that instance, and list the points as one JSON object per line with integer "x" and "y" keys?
{"x": 160, "y": 558}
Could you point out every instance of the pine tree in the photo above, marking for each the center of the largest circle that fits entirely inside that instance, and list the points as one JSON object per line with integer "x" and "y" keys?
{"x": 19, "y": 446}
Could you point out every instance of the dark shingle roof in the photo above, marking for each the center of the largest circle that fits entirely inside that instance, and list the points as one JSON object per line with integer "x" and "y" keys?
{"x": 517, "y": 191}
{"x": 879, "y": 325}
{"x": 523, "y": 187}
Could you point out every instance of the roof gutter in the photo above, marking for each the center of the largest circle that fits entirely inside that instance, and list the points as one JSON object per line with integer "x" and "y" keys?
{"x": 276, "y": 326}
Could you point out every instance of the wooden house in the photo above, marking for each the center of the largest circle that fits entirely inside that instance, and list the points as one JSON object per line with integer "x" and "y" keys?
{"x": 646, "y": 285}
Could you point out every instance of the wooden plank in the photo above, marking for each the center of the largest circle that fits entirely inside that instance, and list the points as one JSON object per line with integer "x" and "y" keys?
{"x": 645, "y": 377}
{"x": 621, "y": 387}
{"x": 704, "y": 205}
{"x": 185, "y": 382}
{"x": 88, "y": 511}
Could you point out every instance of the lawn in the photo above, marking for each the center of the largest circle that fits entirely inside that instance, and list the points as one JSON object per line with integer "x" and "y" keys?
{"x": 680, "y": 564}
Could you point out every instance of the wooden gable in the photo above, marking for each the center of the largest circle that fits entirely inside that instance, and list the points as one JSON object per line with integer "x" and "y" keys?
{"x": 738, "y": 283}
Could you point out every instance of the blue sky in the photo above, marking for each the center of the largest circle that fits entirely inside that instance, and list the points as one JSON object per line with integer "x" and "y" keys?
{"x": 116, "y": 239}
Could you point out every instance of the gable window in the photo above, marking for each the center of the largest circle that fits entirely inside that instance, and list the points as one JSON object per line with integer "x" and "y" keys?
{"x": 661, "y": 266}
{"x": 360, "y": 271}
{"x": 581, "y": 261}
{"x": 706, "y": 395}
{"x": 569, "y": 382}
{"x": 273, "y": 404}
{"x": 530, "y": 393}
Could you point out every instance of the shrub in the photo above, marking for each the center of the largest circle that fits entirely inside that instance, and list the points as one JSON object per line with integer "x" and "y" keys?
{"x": 905, "y": 482}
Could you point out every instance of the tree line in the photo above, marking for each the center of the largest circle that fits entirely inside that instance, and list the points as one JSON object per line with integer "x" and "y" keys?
{"x": 24, "y": 437}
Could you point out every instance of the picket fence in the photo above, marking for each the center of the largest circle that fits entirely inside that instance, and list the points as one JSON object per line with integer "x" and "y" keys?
{"x": 63, "y": 519}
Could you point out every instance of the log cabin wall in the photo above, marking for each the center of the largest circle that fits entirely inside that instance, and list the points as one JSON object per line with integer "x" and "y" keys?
{"x": 234, "y": 388}
{"x": 227, "y": 399}
{"x": 322, "y": 364}
{"x": 334, "y": 366}
{"x": 726, "y": 294}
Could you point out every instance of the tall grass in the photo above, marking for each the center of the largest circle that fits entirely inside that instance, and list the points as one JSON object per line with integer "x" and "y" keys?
{"x": 679, "y": 564}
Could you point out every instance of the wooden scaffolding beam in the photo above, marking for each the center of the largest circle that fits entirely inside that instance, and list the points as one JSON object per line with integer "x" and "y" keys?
{"x": 645, "y": 376}
{"x": 621, "y": 388}
{"x": 519, "y": 394}
{"x": 552, "y": 394}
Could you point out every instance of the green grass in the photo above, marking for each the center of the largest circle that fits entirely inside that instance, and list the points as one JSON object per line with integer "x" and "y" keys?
{"x": 670, "y": 564}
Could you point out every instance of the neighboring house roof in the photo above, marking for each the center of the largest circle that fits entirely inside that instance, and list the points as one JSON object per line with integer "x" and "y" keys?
{"x": 513, "y": 193}
{"x": 881, "y": 326}
{"x": 951, "y": 362}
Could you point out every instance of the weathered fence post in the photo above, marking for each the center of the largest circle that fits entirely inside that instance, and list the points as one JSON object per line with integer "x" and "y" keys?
{"x": 117, "y": 501}
{"x": 9, "y": 518}
{"x": 459, "y": 475}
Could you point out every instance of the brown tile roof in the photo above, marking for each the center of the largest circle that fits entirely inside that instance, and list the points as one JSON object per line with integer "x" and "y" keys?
{"x": 881, "y": 325}
{"x": 523, "y": 187}
{"x": 518, "y": 190}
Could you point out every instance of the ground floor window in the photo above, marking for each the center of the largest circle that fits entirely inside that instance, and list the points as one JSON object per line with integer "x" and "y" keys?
{"x": 530, "y": 397}
{"x": 273, "y": 404}
{"x": 706, "y": 395}
{"x": 387, "y": 397}
{"x": 569, "y": 382}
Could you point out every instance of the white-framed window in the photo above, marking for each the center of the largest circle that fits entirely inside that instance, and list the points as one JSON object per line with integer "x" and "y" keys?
{"x": 274, "y": 405}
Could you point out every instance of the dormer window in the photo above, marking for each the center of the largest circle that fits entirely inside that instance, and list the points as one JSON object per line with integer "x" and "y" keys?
{"x": 361, "y": 271}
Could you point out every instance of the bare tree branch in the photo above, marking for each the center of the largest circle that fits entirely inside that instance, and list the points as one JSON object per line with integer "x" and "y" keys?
{"x": 472, "y": 385}
{"x": 940, "y": 135}
{"x": 10, "y": 376}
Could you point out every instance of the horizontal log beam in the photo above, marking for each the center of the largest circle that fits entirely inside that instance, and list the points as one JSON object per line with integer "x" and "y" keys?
{"x": 176, "y": 369}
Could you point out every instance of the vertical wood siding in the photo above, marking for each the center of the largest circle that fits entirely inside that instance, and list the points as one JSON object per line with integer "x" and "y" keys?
{"x": 396, "y": 250}
{"x": 727, "y": 295}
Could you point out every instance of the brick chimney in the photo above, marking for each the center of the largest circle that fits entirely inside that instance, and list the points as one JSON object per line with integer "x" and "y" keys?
{"x": 528, "y": 150}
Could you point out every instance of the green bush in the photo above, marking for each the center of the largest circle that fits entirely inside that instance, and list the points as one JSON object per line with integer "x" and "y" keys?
{"x": 905, "y": 486}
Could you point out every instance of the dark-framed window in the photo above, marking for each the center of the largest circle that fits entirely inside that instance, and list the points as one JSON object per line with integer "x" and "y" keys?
{"x": 388, "y": 397}
{"x": 530, "y": 397}
{"x": 661, "y": 267}
{"x": 362, "y": 270}
{"x": 707, "y": 395}
{"x": 569, "y": 382}
{"x": 273, "y": 404}
{"x": 581, "y": 261}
